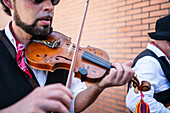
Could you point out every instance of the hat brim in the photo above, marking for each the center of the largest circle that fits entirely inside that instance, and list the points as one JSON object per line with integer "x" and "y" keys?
{"x": 160, "y": 35}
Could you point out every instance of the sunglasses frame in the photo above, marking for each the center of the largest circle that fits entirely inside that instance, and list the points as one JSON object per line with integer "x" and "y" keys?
{"x": 54, "y": 2}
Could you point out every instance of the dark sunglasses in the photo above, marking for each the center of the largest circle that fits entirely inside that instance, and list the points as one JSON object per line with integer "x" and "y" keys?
{"x": 54, "y": 2}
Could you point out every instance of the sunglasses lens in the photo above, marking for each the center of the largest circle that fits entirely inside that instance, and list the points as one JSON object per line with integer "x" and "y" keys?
{"x": 38, "y": 1}
{"x": 55, "y": 2}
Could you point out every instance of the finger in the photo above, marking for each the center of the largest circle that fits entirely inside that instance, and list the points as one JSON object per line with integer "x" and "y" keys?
{"x": 55, "y": 106}
{"x": 128, "y": 73}
{"x": 61, "y": 96}
{"x": 59, "y": 86}
{"x": 112, "y": 74}
{"x": 120, "y": 71}
{"x": 129, "y": 63}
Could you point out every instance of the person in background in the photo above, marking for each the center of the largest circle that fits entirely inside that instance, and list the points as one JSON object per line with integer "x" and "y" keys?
{"x": 152, "y": 65}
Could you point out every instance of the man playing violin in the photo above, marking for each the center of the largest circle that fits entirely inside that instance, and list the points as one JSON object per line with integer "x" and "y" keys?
{"x": 27, "y": 90}
{"x": 152, "y": 65}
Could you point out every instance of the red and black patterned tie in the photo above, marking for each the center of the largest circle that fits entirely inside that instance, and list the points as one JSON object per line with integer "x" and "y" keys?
{"x": 20, "y": 58}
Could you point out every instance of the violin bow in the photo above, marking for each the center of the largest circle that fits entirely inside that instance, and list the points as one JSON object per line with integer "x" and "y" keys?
{"x": 68, "y": 84}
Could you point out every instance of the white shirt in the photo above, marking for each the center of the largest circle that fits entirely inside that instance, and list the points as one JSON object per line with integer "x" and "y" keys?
{"x": 41, "y": 76}
{"x": 149, "y": 69}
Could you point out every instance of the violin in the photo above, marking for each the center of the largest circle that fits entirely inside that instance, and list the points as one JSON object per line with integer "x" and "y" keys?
{"x": 57, "y": 51}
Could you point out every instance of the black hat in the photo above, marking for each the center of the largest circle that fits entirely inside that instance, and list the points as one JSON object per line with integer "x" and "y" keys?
{"x": 162, "y": 29}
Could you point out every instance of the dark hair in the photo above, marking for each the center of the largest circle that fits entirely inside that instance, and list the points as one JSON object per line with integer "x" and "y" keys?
{"x": 5, "y": 8}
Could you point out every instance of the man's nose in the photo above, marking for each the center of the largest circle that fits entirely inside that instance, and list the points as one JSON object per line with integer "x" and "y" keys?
{"x": 48, "y": 6}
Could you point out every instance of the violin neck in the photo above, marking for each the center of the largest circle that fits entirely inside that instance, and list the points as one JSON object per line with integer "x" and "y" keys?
{"x": 96, "y": 60}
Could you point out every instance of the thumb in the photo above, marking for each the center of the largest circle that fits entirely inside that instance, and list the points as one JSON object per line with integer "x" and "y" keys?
{"x": 128, "y": 63}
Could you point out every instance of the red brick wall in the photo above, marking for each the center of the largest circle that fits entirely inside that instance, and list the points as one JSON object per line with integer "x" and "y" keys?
{"x": 119, "y": 27}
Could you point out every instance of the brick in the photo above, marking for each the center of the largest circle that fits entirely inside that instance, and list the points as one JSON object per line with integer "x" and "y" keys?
{"x": 131, "y": 56}
{"x": 133, "y": 22}
{"x": 120, "y": 108}
{"x": 120, "y": 112}
{"x": 109, "y": 100}
{"x": 133, "y": 33}
{"x": 125, "y": 40}
{"x": 134, "y": 11}
{"x": 124, "y": 18}
{"x": 140, "y": 27}
{"x": 122, "y": 60}
{"x": 122, "y": 92}
{"x": 105, "y": 104}
{"x": 125, "y": 8}
{"x": 111, "y": 110}
{"x": 110, "y": 1}
{"x": 138, "y": 50}
{"x": 97, "y": 107}
{"x": 151, "y": 8}
{"x": 114, "y": 10}
{"x": 118, "y": 14}
{"x": 124, "y": 29}
{"x": 125, "y": 50}
{"x": 118, "y": 4}
{"x": 140, "y": 39}
{"x": 106, "y": 94}
{"x": 152, "y": 2}
{"x": 149, "y": 20}
{"x": 121, "y": 103}
{"x": 140, "y": 16}
{"x": 111, "y": 30}
{"x": 120, "y": 24}
{"x": 116, "y": 55}
{"x": 117, "y": 97}
{"x": 110, "y": 90}
{"x": 132, "y": 1}
{"x": 120, "y": 45}
{"x": 159, "y": 13}
{"x": 136, "y": 44}
{"x": 110, "y": 21}
{"x": 141, "y": 4}
{"x": 165, "y": 5}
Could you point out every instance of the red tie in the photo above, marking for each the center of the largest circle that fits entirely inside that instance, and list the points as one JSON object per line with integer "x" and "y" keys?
{"x": 20, "y": 54}
{"x": 20, "y": 58}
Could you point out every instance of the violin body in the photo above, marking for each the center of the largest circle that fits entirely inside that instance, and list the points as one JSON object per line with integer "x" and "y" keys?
{"x": 41, "y": 56}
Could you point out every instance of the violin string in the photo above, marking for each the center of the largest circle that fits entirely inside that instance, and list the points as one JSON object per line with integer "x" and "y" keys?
{"x": 95, "y": 57}
{"x": 99, "y": 60}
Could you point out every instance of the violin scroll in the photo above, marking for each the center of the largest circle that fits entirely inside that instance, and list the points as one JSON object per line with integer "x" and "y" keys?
{"x": 145, "y": 86}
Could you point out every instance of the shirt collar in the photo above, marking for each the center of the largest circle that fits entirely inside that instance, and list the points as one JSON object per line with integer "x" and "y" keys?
{"x": 157, "y": 51}
{"x": 9, "y": 35}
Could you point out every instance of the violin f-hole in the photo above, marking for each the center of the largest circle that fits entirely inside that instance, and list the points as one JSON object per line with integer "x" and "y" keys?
{"x": 57, "y": 58}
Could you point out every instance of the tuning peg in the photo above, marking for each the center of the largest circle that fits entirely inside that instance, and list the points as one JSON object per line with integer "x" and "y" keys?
{"x": 136, "y": 90}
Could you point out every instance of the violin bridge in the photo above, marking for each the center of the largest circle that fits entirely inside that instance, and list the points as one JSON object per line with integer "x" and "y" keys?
{"x": 69, "y": 49}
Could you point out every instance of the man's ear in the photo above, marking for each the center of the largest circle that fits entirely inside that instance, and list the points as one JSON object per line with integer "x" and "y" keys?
{"x": 8, "y": 3}
{"x": 168, "y": 42}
